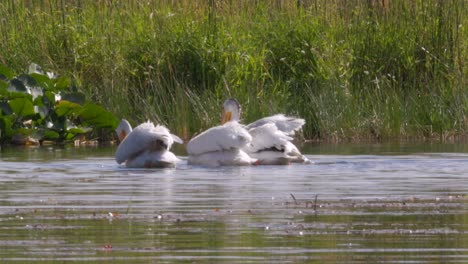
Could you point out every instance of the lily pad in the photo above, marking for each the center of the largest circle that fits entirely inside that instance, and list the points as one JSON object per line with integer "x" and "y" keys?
{"x": 51, "y": 135}
{"x": 48, "y": 98}
{"x": 42, "y": 80}
{"x": 95, "y": 115}
{"x": 44, "y": 106}
{"x": 80, "y": 130}
{"x": 65, "y": 108}
{"x": 22, "y": 106}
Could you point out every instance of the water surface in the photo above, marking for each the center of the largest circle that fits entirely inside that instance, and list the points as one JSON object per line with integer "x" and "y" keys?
{"x": 354, "y": 204}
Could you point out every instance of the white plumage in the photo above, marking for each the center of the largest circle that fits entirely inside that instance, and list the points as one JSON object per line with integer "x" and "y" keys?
{"x": 146, "y": 146}
{"x": 271, "y": 142}
{"x": 267, "y": 136}
{"x": 286, "y": 124}
{"x": 266, "y": 141}
{"x": 272, "y": 146}
{"x": 232, "y": 157}
{"x": 220, "y": 145}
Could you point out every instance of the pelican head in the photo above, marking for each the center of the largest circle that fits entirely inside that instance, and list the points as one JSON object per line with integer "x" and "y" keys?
{"x": 123, "y": 129}
{"x": 231, "y": 110}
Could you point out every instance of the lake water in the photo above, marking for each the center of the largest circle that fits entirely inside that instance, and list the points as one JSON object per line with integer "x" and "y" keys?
{"x": 391, "y": 203}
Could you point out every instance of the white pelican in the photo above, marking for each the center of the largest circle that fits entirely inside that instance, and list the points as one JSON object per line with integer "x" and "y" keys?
{"x": 220, "y": 145}
{"x": 271, "y": 136}
{"x": 146, "y": 146}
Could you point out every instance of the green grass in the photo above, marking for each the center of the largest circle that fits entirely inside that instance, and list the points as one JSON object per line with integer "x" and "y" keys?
{"x": 391, "y": 69}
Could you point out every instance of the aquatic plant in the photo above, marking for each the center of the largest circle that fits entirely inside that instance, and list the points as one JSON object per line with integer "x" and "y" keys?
{"x": 41, "y": 106}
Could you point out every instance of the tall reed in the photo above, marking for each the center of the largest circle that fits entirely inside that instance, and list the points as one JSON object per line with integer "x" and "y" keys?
{"x": 353, "y": 69}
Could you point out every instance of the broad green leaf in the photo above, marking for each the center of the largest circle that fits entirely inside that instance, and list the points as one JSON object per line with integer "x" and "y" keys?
{"x": 95, "y": 115}
{"x": 70, "y": 136}
{"x": 16, "y": 100}
{"x": 80, "y": 130}
{"x": 50, "y": 135}
{"x": 42, "y": 80}
{"x": 48, "y": 98}
{"x": 39, "y": 101}
{"x": 65, "y": 108}
{"x": 6, "y": 72}
{"x": 14, "y": 95}
{"x": 22, "y": 106}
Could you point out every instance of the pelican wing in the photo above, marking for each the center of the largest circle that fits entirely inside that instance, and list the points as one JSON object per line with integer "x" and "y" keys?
{"x": 142, "y": 138}
{"x": 226, "y": 137}
{"x": 177, "y": 139}
{"x": 284, "y": 123}
{"x": 267, "y": 137}
{"x": 272, "y": 146}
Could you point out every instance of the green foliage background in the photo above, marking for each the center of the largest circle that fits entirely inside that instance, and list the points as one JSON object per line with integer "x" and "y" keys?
{"x": 42, "y": 106}
{"x": 354, "y": 70}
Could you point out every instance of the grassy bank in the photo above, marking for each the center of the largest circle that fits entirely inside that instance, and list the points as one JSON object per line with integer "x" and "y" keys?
{"x": 353, "y": 69}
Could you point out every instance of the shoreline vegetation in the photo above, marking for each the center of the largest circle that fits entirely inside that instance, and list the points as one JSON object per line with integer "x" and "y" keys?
{"x": 354, "y": 70}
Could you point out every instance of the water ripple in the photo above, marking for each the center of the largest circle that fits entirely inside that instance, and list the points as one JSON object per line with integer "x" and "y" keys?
{"x": 57, "y": 205}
